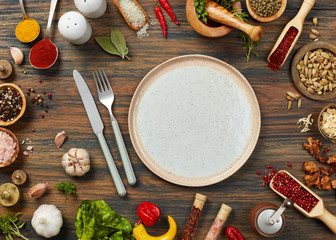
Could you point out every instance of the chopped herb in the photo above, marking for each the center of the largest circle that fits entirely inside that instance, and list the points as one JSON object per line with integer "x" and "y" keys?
{"x": 66, "y": 188}
{"x": 248, "y": 45}
{"x": 10, "y": 226}
{"x": 202, "y": 13}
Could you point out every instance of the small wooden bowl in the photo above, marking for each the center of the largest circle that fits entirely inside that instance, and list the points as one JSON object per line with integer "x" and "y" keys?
{"x": 319, "y": 122}
{"x": 295, "y": 73}
{"x": 203, "y": 29}
{"x": 24, "y": 103}
{"x": 17, "y": 148}
{"x": 266, "y": 19}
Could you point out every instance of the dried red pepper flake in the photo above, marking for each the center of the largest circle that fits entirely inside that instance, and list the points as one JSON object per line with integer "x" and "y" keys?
{"x": 191, "y": 224}
{"x": 287, "y": 186}
{"x": 279, "y": 55}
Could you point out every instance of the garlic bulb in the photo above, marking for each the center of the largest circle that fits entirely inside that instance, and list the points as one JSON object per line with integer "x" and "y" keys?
{"x": 76, "y": 162}
{"x": 47, "y": 220}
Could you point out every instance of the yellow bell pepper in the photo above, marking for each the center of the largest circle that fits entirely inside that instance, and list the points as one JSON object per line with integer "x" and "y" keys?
{"x": 140, "y": 232}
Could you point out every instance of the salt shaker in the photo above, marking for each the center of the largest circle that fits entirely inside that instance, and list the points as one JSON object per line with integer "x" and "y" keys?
{"x": 91, "y": 8}
{"x": 74, "y": 28}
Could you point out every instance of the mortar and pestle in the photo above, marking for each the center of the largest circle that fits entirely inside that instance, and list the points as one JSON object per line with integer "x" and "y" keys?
{"x": 219, "y": 14}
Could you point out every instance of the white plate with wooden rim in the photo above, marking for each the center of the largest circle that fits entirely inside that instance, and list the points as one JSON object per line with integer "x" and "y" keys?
{"x": 194, "y": 120}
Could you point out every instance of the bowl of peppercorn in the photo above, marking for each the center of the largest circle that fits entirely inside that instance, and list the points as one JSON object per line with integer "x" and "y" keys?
{"x": 266, "y": 10}
{"x": 12, "y": 104}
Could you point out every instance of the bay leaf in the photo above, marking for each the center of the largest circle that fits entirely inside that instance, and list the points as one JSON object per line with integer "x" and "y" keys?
{"x": 106, "y": 44}
{"x": 118, "y": 40}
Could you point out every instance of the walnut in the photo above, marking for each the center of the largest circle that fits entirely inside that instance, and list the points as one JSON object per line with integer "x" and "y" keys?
{"x": 325, "y": 182}
{"x": 332, "y": 159}
{"x": 324, "y": 172}
{"x": 314, "y": 146}
{"x": 322, "y": 158}
{"x": 312, "y": 179}
{"x": 333, "y": 183}
{"x": 310, "y": 168}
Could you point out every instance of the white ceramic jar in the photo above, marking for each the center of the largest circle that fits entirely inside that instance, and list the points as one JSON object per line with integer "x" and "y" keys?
{"x": 91, "y": 8}
{"x": 74, "y": 28}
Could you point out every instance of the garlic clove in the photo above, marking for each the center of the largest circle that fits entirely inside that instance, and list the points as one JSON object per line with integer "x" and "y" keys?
{"x": 60, "y": 138}
{"x": 17, "y": 55}
{"x": 38, "y": 190}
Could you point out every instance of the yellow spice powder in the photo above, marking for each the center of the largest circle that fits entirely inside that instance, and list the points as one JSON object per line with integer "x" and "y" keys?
{"x": 27, "y": 30}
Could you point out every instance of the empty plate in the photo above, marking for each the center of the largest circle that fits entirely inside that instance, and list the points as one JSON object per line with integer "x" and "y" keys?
{"x": 194, "y": 120}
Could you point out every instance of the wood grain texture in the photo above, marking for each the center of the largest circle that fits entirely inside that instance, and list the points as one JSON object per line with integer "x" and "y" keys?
{"x": 280, "y": 141}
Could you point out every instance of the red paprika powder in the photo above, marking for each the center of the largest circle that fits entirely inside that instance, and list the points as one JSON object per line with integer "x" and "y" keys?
{"x": 279, "y": 55}
{"x": 43, "y": 54}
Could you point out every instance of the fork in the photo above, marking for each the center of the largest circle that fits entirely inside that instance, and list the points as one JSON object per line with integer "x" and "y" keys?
{"x": 106, "y": 97}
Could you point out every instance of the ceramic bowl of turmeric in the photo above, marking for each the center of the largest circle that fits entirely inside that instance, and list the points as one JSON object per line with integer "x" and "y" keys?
{"x": 27, "y": 30}
{"x": 211, "y": 29}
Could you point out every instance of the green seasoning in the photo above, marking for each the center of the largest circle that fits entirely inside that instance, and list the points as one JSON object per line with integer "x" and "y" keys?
{"x": 265, "y": 8}
{"x": 115, "y": 44}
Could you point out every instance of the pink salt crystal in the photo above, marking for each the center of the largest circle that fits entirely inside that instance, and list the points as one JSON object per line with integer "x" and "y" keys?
{"x": 7, "y": 147}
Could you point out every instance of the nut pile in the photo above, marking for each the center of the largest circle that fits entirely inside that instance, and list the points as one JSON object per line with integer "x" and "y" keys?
{"x": 317, "y": 71}
{"x": 265, "y": 8}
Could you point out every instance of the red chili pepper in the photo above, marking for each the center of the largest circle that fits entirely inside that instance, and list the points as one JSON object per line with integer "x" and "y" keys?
{"x": 149, "y": 213}
{"x": 234, "y": 234}
{"x": 169, "y": 10}
{"x": 161, "y": 19}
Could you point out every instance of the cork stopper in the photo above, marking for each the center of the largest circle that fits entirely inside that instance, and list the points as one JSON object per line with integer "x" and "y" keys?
{"x": 224, "y": 212}
{"x": 199, "y": 201}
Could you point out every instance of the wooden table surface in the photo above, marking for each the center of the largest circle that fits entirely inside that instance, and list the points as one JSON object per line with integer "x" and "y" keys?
{"x": 280, "y": 142}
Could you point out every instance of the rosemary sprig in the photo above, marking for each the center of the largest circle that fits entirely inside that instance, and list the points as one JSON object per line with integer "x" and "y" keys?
{"x": 248, "y": 45}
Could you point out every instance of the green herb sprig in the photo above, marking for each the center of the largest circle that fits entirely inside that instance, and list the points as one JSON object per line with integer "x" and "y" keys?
{"x": 10, "y": 226}
{"x": 115, "y": 44}
{"x": 248, "y": 45}
{"x": 66, "y": 188}
{"x": 201, "y": 12}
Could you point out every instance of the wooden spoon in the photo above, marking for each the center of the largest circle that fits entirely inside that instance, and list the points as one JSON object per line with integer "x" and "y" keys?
{"x": 219, "y": 14}
{"x": 136, "y": 28}
{"x": 296, "y": 22}
{"x": 319, "y": 211}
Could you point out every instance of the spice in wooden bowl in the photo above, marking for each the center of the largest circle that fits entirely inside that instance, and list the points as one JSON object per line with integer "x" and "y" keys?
{"x": 9, "y": 147}
{"x": 266, "y": 10}
{"x": 12, "y": 104}
{"x": 326, "y": 122}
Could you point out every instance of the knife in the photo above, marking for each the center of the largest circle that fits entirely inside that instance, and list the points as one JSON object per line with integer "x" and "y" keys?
{"x": 97, "y": 126}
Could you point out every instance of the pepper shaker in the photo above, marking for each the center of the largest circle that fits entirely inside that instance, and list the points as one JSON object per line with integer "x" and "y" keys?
{"x": 74, "y": 28}
{"x": 91, "y": 8}
{"x": 267, "y": 219}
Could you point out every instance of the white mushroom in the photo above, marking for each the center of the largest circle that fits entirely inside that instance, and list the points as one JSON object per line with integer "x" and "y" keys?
{"x": 76, "y": 162}
{"x": 47, "y": 220}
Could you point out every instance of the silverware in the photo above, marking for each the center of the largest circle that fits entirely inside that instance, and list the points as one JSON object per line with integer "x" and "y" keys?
{"x": 106, "y": 97}
{"x": 97, "y": 126}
